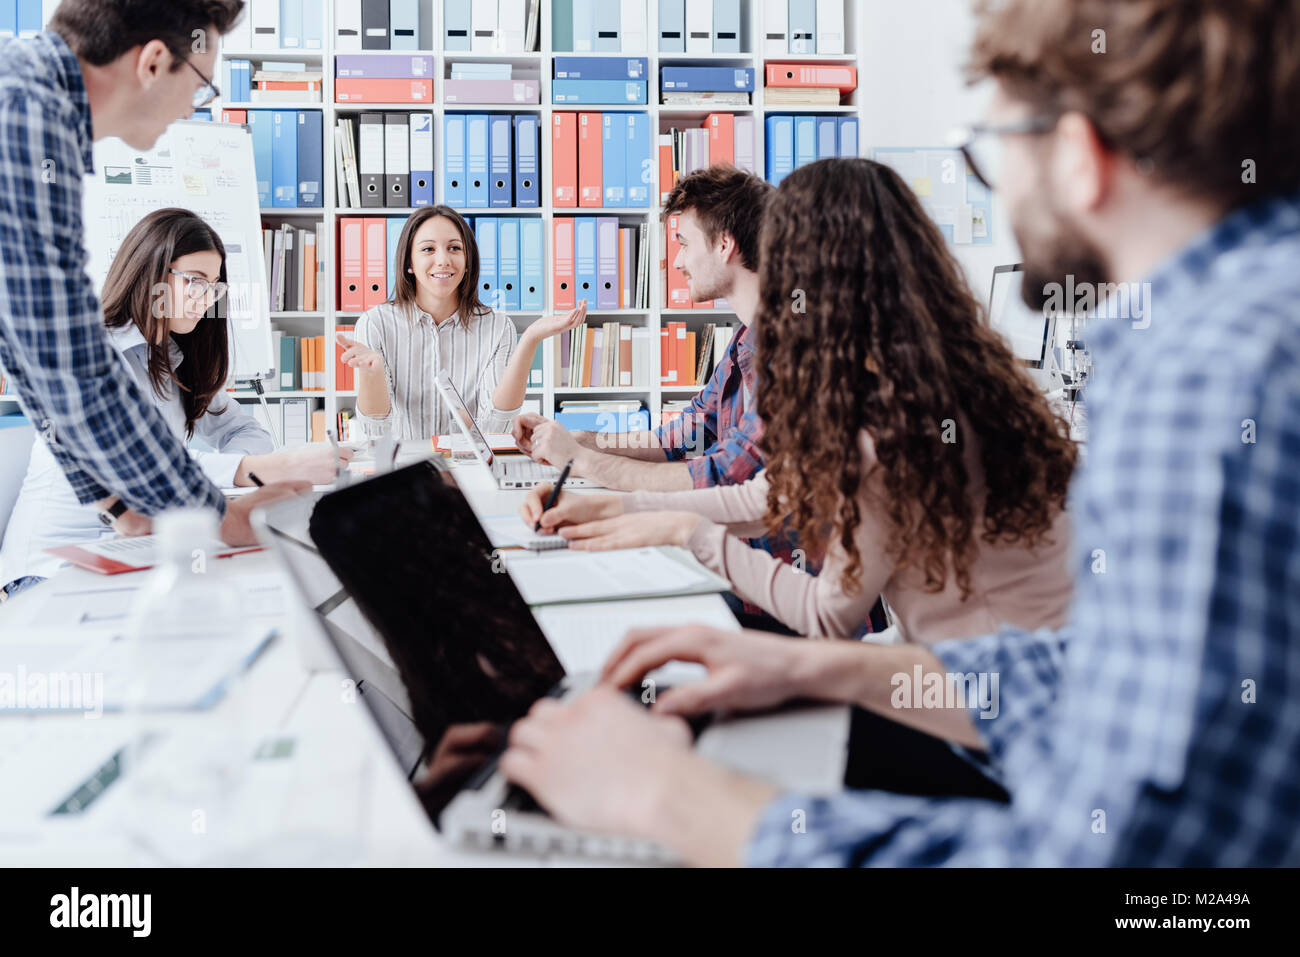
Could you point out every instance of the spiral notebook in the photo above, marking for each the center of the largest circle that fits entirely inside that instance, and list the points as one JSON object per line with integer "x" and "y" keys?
{"x": 511, "y": 531}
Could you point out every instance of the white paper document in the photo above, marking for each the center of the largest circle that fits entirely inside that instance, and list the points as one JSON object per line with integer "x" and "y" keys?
{"x": 567, "y": 576}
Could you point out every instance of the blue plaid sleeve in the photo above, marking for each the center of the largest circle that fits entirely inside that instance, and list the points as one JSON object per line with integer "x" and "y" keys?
{"x": 734, "y": 460}
{"x": 107, "y": 437}
{"x": 692, "y": 430}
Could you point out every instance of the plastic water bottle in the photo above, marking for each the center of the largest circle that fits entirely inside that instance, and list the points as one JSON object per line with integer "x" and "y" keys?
{"x": 184, "y": 767}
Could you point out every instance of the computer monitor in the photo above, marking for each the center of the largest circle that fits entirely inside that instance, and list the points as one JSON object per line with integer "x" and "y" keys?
{"x": 1030, "y": 333}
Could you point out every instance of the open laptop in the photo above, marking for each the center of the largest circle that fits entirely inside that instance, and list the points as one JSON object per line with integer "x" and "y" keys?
{"x": 463, "y": 657}
{"x": 510, "y": 471}
{"x": 1030, "y": 333}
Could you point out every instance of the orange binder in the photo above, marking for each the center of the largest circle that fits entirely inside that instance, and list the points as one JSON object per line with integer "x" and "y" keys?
{"x": 591, "y": 190}
{"x": 343, "y": 375}
{"x": 666, "y": 183}
{"x": 688, "y": 360}
{"x": 663, "y": 355}
{"x": 677, "y": 332}
{"x": 842, "y": 78}
{"x": 722, "y": 137}
{"x": 351, "y": 264}
{"x": 563, "y": 278}
{"x": 625, "y": 356}
{"x": 234, "y": 116}
{"x": 318, "y": 425}
{"x": 589, "y": 374}
{"x": 564, "y": 159}
{"x": 376, "y": 280}
{"x": 678, "y": 295}
{"x": 309, "y": 270}
{"x": 381, "y": 90}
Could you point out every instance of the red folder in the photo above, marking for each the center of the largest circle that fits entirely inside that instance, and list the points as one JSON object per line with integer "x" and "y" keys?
{"x": 590, "y": 171}
{"x": 563, "y": 279}
{"x": 842, "y": 78}
{"x": 722, "y": 137}
{"x": 351, "y": 264}
{"x": 678, "y": 294}
{"x": 666, "y": 183}
{"x": 564, "y": 159}
{"x": 376, "y": 287}
{"x": 382, "y": 90}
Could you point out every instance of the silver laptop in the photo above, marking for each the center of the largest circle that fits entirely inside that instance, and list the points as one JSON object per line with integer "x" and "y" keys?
{"x": 463, "y": 657}
{"x": 508, "y": 471}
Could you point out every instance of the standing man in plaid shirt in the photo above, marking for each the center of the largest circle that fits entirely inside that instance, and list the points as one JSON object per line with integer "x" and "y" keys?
{"x": 105, "y": 68}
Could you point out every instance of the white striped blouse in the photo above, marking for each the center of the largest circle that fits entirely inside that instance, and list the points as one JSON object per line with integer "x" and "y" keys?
{"x": 414, "y": 350}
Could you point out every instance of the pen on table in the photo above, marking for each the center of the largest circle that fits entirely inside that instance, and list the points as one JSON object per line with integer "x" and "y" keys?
{"x": 555, "y": 494}
{"x": 255, "y": 480}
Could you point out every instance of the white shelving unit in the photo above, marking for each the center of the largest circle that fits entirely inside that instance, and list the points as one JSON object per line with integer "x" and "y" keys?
{"x": 325, "y": 321}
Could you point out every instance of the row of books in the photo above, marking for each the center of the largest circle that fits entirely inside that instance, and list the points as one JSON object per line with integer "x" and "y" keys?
{"x": 271, "y": 81}
{"x": 380, "y": 78}
{"x": 384, "y": 159}
{"x": 612, "y": 354}
{"x": 295, "y": 267}
{"x": 511, "y": 261}
{"x": 600, "y": 160}
{"x": 687, "y": 357}
{"x": 287, "y": 147}
{"x": 597, "y": 260}
{"x": 722, "y": 138}
{"x": 793, "y": 141}
{"x": 300, "y": 364}
{"x": 603, "y": 415}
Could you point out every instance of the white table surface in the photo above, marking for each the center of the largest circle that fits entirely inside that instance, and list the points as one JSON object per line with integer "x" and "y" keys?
{"x": 339, "y": 800}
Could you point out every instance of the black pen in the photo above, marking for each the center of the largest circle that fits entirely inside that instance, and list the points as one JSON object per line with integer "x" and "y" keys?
{"x": 555, "y": 493}
{"x": 255, "y": 480}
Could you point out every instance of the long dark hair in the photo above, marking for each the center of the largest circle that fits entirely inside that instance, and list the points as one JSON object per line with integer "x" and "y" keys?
{"x": 469, "y": 305}
{"x": 130, "y": 297}
{"x": 891, "y": 340}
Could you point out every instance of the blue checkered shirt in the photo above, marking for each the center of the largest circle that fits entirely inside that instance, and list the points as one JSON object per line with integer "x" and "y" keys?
{"x": 108, "y": 438}
{"x": 1162, "y": 727}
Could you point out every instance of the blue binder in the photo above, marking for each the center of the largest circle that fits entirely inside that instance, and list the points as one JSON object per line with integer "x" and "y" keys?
{"x": 707, "y": 79}
{"x": 584, "y": 25}
{"x": 805, "y": 140}
{"x": 421, "y": 151}
{"x": 501, "y": 181}
{"x": 533, "y": 265}
{"x": 8, "y": 18}
{"x": 607, "y": 264}
{"x": 778, "y": 143}
{"x": 848, "y": 136}
{"x": 802, "y": 26}
{"x": 259, "y": 124}
{"x": 562, "y": 25}
{"x": 672, "y": 26}
{"x": 527, "y": 192}
{"x": 395, "y": 226}
{"x": 476, "y": 161}
{"x": 453, "y": 160}
{"x": 613, "y": 151}
{"x": 404, "y": 24}
{"x": 827, "y": 137}
{"x": 613, "y": 92}
{"x": 600, "y": 68}
{"x": 508, "y": 272}
{"x": 608, "y": 36}
{"x": 284, "y": 158}
{"x": 313, "y": 24}
{"x": 456, "y": 21}
{"x": 290, "y": 24}
{"x": 30, "y": 17}
{"x": 310, "y": 151}
{"x": 584, "y": 260}
{"x": 485, "y": 232}
{"x": 640, "y": 165}
{"x": 726, "y": 26}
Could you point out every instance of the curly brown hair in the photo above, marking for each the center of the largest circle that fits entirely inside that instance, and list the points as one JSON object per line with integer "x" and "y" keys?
{"x": 890, "y": 339}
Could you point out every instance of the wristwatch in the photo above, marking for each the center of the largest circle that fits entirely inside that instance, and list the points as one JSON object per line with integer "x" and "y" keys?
{"x": 111, "y": 514}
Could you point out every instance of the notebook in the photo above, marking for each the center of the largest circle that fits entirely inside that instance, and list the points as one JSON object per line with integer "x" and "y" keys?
{"x": 573, "y": 576}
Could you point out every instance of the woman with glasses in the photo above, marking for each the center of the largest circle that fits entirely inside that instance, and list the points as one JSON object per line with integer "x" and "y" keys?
{"x": 167, "y": 275}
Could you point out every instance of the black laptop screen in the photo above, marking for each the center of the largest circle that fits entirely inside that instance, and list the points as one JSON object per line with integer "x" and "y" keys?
{"x": 471, "y": 657}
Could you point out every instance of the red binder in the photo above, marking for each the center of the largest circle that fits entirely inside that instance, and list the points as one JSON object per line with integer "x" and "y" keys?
{"x": 842, "y": 78}
{"x": 722, "y": 137}
{"x": 376, "y": 288}
{"x": 678, "y": 295}
{"x": 590, "y": 171}
{"x": 563, "y": 278}
{"x": 351, "y": 264}
{"x": 564, "y": 159}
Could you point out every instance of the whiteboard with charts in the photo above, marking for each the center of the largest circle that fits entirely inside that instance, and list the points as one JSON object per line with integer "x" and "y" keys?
{"x": 207, "y": 168}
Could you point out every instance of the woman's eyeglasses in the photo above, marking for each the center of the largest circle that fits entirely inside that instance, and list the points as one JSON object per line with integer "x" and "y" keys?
{"x": 196, "y": 287}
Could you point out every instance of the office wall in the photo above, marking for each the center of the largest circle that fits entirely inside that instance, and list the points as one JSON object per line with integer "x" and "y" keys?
{"x": 910, "y": 57}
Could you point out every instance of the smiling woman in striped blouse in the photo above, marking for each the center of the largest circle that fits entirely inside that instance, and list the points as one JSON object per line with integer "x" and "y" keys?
{"x": 436, "y": 322}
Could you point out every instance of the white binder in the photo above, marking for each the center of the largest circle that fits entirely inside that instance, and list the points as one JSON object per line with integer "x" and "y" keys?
{"x": 830, "y": 26}
{"x": 483, "y": 26}
{"x": 266, "y": 24}
{"x": 347, "y": 26}
{"x": 699, "y": 26}
{"x": 776, "y": 29}
{"x": 632, "y": 22}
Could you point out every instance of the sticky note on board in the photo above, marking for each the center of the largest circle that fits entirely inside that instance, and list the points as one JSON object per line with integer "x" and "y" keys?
{"x": 922, "y": 186}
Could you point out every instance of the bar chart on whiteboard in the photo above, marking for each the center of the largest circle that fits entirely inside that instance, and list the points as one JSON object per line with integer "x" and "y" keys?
{"x": 208, "y": 169}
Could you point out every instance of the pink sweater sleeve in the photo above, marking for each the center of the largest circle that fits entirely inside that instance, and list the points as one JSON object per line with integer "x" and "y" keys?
{"x": 808, "y": 604}
{"x": 739, "y": 507}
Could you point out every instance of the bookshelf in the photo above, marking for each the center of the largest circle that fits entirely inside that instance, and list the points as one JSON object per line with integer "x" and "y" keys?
{"x": 329, "y": 317}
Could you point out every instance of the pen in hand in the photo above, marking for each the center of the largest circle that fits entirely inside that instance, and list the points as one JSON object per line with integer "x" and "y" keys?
{"x": 555, "y": 494}
{"x": 255, "y": 480}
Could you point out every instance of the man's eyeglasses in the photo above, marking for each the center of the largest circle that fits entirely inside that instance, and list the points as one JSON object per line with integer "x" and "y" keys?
{"x": 982, "y": 145}
{"x": 196, "y": 287}
{"x": 207, "y": 92}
